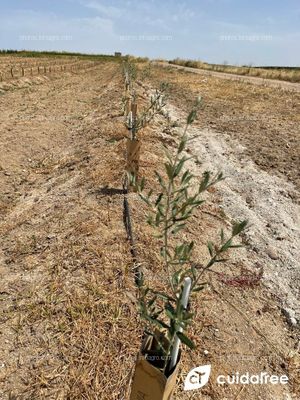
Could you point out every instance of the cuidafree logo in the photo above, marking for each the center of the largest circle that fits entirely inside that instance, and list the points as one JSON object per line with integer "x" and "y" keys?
{"x": 197, "y": 377}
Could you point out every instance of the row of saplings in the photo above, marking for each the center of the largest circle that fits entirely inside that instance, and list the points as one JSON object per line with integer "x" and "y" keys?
{"x": 166, "y": 314}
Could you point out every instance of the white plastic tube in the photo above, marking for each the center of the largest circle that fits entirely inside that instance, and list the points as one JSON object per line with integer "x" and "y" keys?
{"x": 184, "y": 302}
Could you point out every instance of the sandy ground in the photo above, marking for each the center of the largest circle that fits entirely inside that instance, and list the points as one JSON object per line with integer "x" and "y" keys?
{"x": 248, "y": 79}
{"x": 252, "y": 194}
{"x": 69, "y": 327}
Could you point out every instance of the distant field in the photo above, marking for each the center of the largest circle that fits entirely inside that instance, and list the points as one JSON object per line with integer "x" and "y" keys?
{"x": 64, "y": 54}
{"x": 291, "y": 74}
{"x": 17, "y": 64}
{"x": 69, "y": 55}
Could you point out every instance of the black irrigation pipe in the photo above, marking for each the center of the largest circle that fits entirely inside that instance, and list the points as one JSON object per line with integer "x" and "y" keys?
{"x": 128, "y": 226}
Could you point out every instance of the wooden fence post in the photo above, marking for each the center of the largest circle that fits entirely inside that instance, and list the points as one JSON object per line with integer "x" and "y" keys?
{"x": 133, "y": 147}
{"x": 127, "y": 99}
{"x": 134, "y": 116}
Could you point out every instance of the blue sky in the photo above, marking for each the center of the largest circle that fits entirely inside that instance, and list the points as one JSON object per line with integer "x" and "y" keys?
{"x": 262, "y": 32}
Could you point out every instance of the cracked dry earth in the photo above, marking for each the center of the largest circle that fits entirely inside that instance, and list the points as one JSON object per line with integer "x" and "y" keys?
{"x": 68, "y": 324}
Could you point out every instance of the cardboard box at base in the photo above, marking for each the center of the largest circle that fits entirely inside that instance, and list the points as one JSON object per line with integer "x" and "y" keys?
{"x": 133, "y": 156}
{"x": 150, "y": 383}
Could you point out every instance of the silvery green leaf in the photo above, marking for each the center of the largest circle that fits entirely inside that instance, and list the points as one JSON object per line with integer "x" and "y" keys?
{"x": 184, "y": 339}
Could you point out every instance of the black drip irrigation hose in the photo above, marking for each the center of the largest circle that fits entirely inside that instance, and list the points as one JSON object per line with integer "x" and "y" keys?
{"x": 138, "y": 275}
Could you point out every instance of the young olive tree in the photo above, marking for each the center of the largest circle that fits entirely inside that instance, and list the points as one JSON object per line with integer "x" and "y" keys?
{"x": 137, "y": 121}
{"x": 169, "y": 211}
{"x": 129, "y": 71}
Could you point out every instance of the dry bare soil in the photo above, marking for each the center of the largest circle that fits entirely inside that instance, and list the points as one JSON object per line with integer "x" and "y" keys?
{"x": 69, "y": 327}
